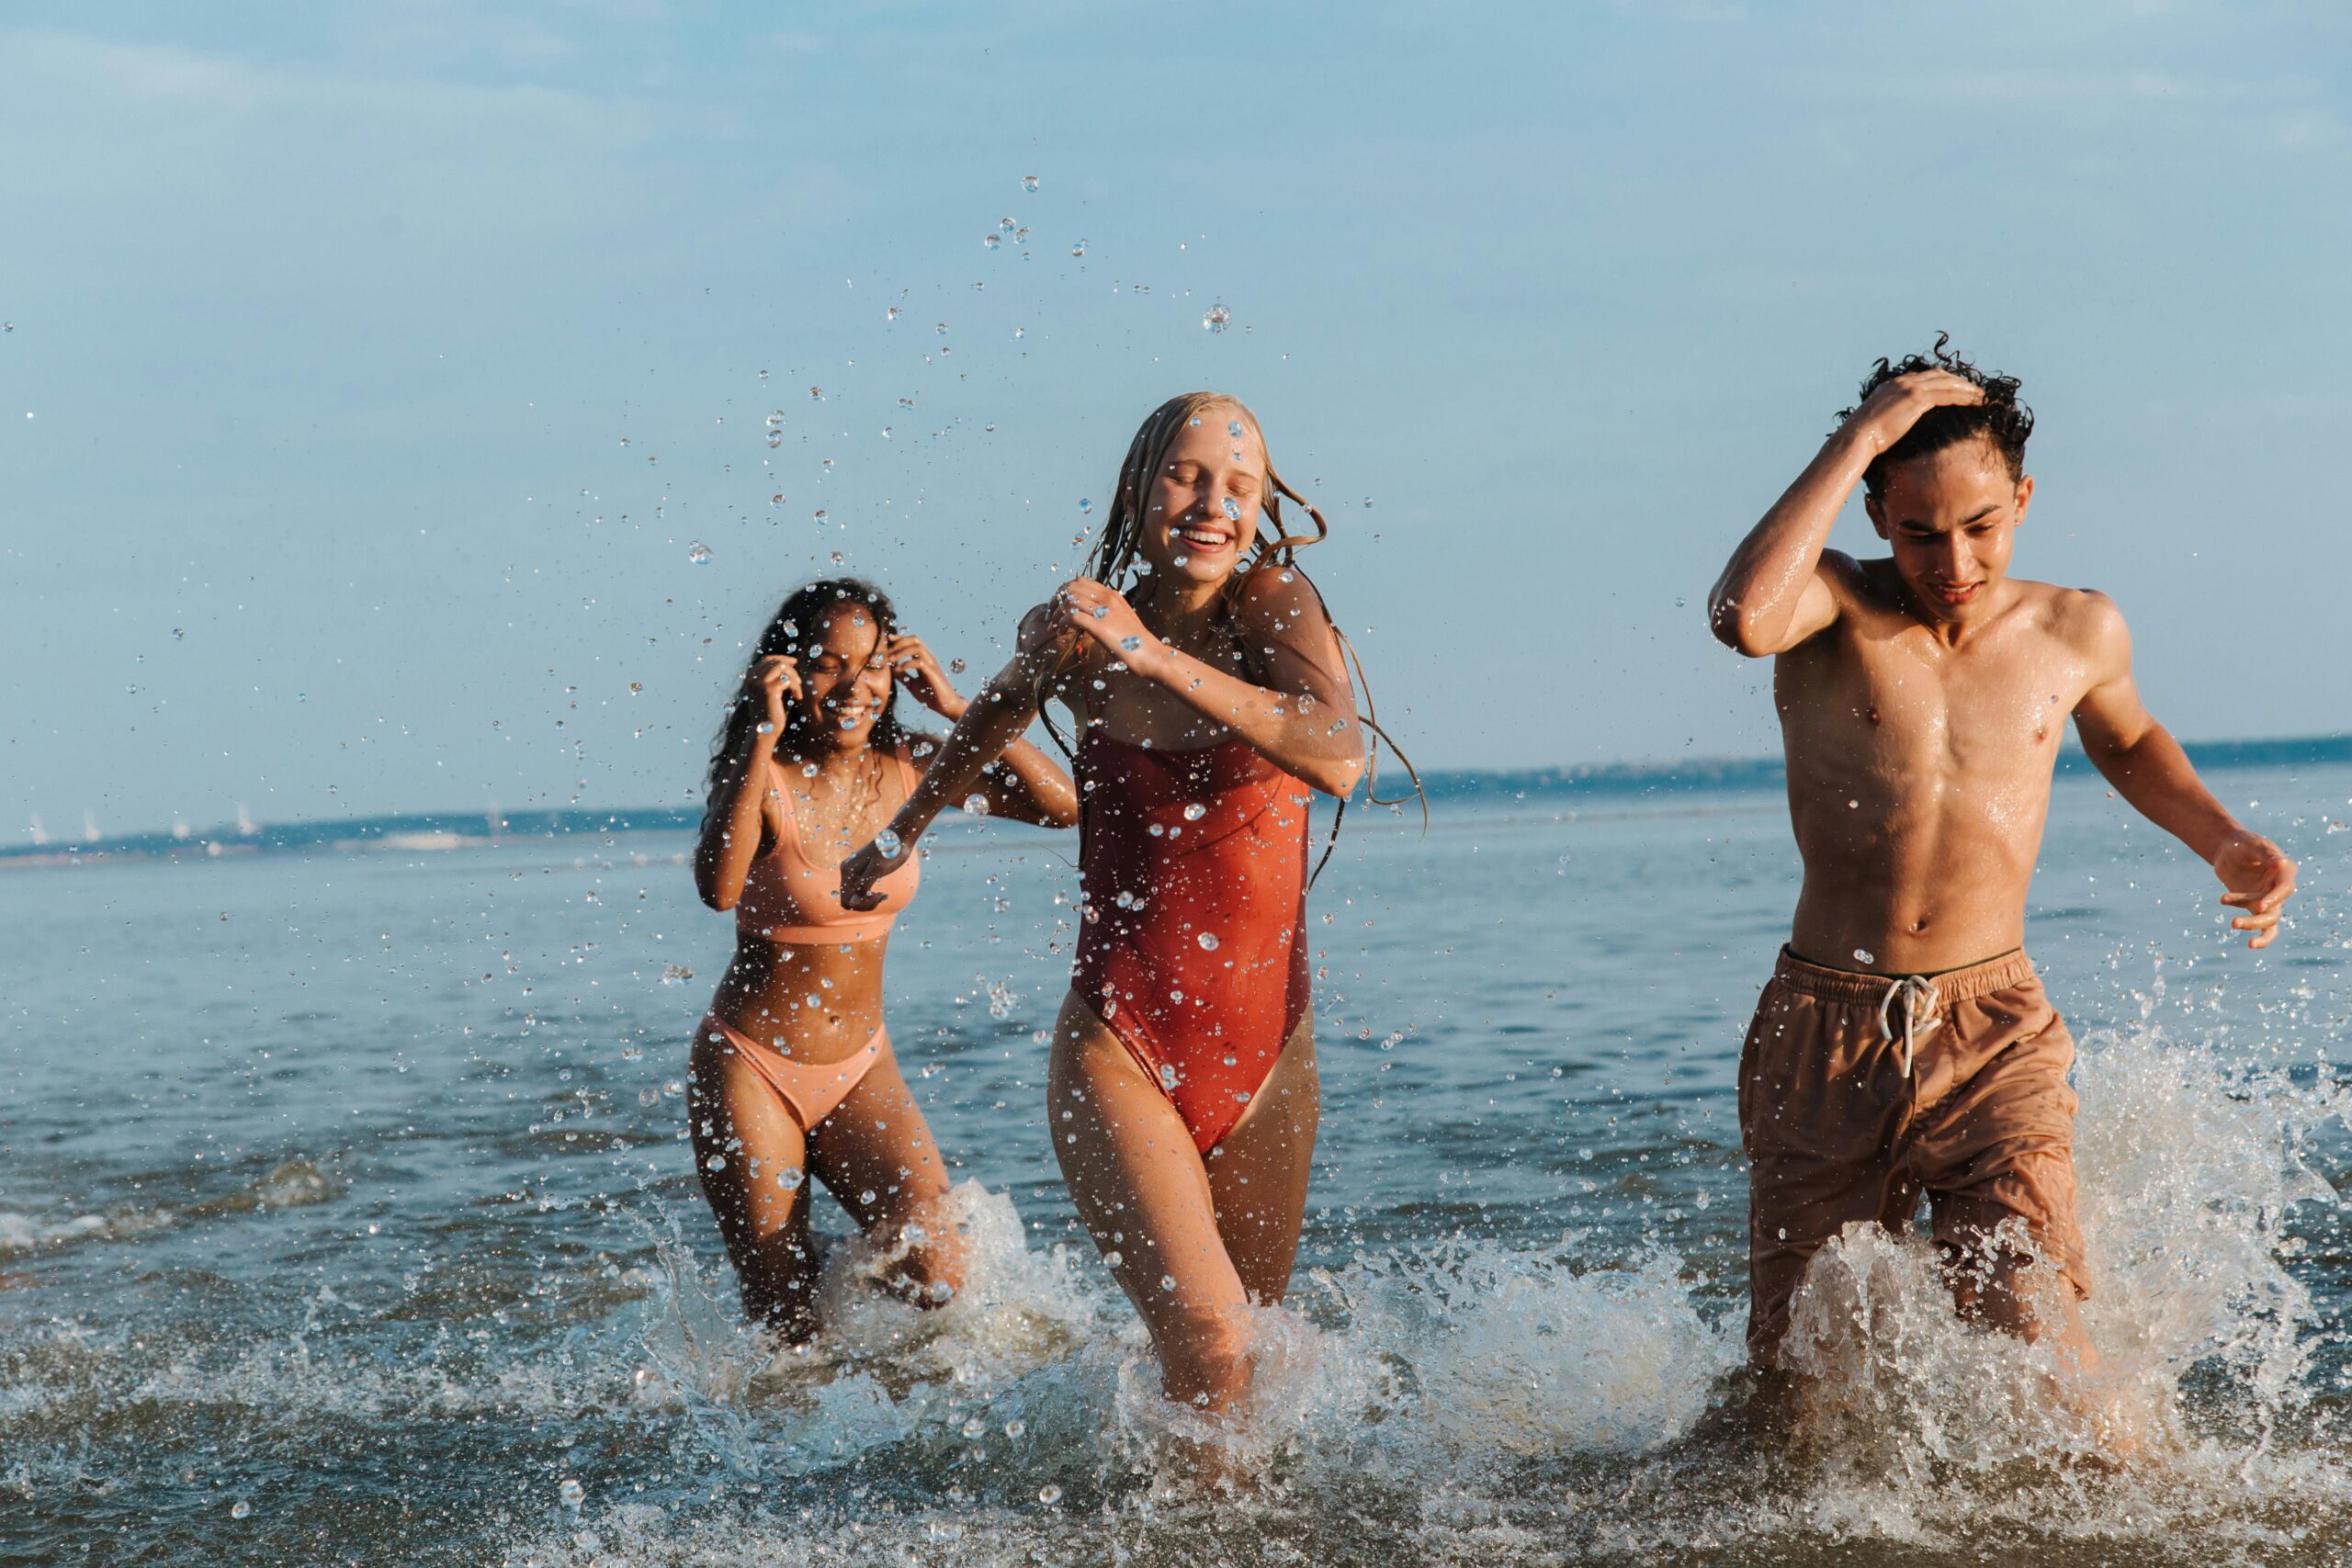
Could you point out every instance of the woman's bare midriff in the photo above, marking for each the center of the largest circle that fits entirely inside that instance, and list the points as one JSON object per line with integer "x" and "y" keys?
{"x": 766, "y": 991}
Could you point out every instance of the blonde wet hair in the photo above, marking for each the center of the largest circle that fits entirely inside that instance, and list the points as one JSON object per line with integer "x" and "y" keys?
{"x": 1114, "y": 553}
{"x": 1114, "y": 558}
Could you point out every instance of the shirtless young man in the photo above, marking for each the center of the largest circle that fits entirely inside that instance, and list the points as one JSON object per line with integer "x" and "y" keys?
{"x": 1904, "y": 1043}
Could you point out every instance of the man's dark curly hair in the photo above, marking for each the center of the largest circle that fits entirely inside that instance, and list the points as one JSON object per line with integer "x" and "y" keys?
{"x": 2000, "y": 418}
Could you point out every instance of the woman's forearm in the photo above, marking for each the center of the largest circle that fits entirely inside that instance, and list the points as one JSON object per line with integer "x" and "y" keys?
{"x": 1041, "y": 781}
{"x": 993, "y": 723}
{"x": 1320, "y": 742}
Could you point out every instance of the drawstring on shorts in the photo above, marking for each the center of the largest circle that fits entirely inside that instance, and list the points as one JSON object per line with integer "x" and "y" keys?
{"x": 1921, "y": 1002}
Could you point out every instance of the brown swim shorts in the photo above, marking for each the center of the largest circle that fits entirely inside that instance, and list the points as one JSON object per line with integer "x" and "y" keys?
{"x": 1859, "y": 1092}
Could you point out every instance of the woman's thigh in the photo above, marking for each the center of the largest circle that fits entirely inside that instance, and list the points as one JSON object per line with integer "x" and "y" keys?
{"x": 1258, "y": 1173}
{"x": 876, "y": 1152}
{"x": 1141, "y": 1190}
{"x": 750, "y": 1154}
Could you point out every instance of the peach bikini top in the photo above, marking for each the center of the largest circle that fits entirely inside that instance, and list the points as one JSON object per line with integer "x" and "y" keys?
{"x": 787, "y": 899}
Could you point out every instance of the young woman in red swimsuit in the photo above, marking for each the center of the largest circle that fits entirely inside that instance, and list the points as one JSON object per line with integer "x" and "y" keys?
{"x": 792, "y": 1074}
{"x": 1212, "y": 699}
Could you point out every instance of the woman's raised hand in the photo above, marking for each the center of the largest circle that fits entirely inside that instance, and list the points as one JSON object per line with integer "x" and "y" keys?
{"x": 914, "y": 667}
{"x": 1102, "y": 615}
{"x": 868, "y": 866}
{"x": 778, "y": 679}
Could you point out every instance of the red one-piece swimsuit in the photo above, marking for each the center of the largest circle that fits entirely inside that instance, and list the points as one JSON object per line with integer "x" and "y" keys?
{"x": 1193, "y": 943}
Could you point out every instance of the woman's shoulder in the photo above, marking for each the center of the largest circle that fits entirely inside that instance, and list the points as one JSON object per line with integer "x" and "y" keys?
{"x": 1280, "y": 597}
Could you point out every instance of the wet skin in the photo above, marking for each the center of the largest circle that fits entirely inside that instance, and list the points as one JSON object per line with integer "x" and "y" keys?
{"x": 1922, "y": 699}
{"x": 1194, "y": 1241}
{"x": 819, "y": 1003}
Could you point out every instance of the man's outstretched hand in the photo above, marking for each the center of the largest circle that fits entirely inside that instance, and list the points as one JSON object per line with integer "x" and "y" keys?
{"x": 2260, "y": 879}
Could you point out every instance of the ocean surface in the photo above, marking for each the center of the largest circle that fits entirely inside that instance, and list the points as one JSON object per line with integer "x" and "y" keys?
{"x": 346, "y": 1214}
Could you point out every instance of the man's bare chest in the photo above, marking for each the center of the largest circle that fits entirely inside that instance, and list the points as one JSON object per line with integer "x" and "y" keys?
{"x": 1910, "y": 700}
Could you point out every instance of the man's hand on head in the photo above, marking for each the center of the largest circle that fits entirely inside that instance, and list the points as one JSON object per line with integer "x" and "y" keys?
{"x": 1894, "y": 406}
{"x": 2260, "y": 879}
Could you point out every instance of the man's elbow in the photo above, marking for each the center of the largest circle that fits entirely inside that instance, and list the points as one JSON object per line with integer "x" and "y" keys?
{"x": 1738, "y": 628}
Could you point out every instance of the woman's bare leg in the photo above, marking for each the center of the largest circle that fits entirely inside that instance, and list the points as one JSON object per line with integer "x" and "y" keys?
{"x": 1258, "y": 1172}
{"x": 1146, "y": 1198}
{"x": 875, "y": 1154}
{"x": 737, "y": 1119}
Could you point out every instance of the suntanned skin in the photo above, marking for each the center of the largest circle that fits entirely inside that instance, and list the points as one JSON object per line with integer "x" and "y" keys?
{"x": 1193, "y": 1241}
{"x": 1922, "y": 700}
{"x": 875, "y": 1152}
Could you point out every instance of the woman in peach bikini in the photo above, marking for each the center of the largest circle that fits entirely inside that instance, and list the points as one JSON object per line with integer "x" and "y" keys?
{"x": 792, "y": 1074}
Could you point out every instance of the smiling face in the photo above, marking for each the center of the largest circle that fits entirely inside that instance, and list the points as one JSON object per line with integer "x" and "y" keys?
{"x": 845, "y": 679}
{"x": 1950, "y": 517}
{"x": 1200, "y": 510}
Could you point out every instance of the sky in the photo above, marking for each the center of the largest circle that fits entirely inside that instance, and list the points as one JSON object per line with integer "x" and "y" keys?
{"x": 373, "y": 372}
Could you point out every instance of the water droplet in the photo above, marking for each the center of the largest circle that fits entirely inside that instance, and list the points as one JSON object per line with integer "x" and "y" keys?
{"x": 1130, "y": 644}
{"x": 1029, "y": 182}
{"x": 649, "y": 1096}
{"x": 973, "y": 1426}
{"x": 955, "y": 667}
{"x": 890, "y": 313}
{"x": 991, "y": 240}
{"x": 1168, "y": 1077}
{"x": 1085, "y": 505}
{"x": 1231, "y": 1060}
{"x": 1864, "y": 955}
{"x": 1208, "y": 942}
{"x": 766, "y": 728}
{"x": 1196, "y": 811}
{"x": 1232, "y": 509}
{"x": 572, "y": 1493}
{"x": 1016, "y": 1427}
{"x": 1113, "y": 1258}
{"x": 776, "y": 500}
{"x": 1125, "y": 899}
{"x": 1168, "y": 1282}
{"x": 1079, "y": 249}
{"x": 1049, "y": 1494}
{"x": 699, "y": 555}
{"x": 941, "y": 329}
{"x": 942, "y": 1292}
{"x": 977, "y": 804}
{"x": 676, "y": 973}
{"x": 1102, "y": 611}
{"x": 1216, "y": 319}
{"x": 817, "y": 393}
{"x": 716, "y": 1162}
{"x": 240, "y": 1508}
{"x": 888, "y": 842}
{"x": 820, "y": 514}
{"x": 790, "y": 1178}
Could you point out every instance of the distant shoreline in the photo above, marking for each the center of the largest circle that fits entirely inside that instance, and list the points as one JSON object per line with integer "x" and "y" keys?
{"x": 438, "y": 831}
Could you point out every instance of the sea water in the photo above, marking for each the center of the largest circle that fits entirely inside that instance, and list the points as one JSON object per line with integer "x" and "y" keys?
{"x": 346, "y": 1214}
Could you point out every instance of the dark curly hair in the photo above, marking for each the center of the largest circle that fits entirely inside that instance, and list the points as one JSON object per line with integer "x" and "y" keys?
{"x": 794, "y": 629}
{"x": 2000, "y": 418}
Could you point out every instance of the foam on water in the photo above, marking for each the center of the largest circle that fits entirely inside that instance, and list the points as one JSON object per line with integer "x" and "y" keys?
{"x": 1470, "y": 1400}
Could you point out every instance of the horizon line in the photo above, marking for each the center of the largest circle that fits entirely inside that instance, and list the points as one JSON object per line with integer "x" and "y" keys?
{"x": 438, "y": 830}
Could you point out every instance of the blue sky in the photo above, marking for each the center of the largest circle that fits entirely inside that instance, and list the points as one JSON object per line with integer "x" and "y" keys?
{"x": 385, "y": 363}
